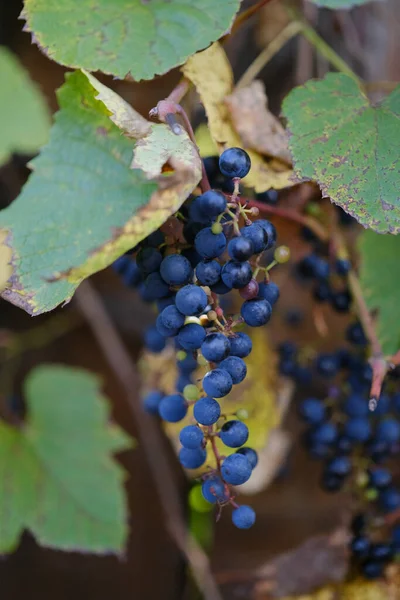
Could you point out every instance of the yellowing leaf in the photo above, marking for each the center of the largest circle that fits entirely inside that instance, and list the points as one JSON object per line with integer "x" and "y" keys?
{"x": 257, "y": 394}
{"x": 204, "y": 141}
{"x": 5, "y": 261}
{"x": 106, "y": 205}
{"x": 212, "y": 76}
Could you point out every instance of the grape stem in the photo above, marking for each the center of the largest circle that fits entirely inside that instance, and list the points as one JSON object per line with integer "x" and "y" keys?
{"x": 117, "y": 355}
{"x": 165, "y": 111}
{"x": 292, "y": 215}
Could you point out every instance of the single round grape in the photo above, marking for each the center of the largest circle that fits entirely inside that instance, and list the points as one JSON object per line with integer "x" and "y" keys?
{"x": 256, "y": 234}
{"x": 215, "y": 347}
{"x": 269, "y": 291}
{"x": 358, "y": 429}
{"x": 380, "y": 478}
{"x": 212, "y": 203}
{"x": 191, "y": 437}
{"x": 171, "y": 318}
{"x": 213, "y": 490}
{"x": 250, "y": 454}
{"x": 208, "y": 244}
{"x": 207, "y": 411}
{"x": 191, "y": 336}
{"x": 236, "y": 274}
{"x": 339, "y": 465}
{"x": 175, "y": 269}
{"x": 249, "y": 291}
{"x": 241, "y": 345}
{"x": 243, "y": 517}
{"x": 153, "y": 340}
{"x": 388, "y": 430}
{"x": 270, "y": 232}
{"x": 192, "y": 459}
{"x": 235, "y": 163}
{"x": 152, "y": 401}
{"x": 155, "y": 287}
{"x": 240, "y": 248}
{"x": 165, "y": 331}
{"x": 148, "y": 260}
{"x": 236, "y": 368}
{"x": 256, "y": 312}
{"x": 217, "y": 383}
{"x": 312, "y": 410}
{"x": 360, "y": 546}
{"x": 234, "y": 434}
{"x": 208, "y": 272}
{"x": 173, "y": 408}
{"x": 191, "y": 300}
{"x": 236, "y": 469}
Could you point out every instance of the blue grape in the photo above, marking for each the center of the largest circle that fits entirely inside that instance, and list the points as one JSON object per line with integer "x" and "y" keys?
{"x": 164, "y": 302}
{"x": 243, "y": 517}
{"x": 207, "y": 411}
{"x": 209, "y": 244}
{"x": 191, "y": 336}
{"x": 155, "y": 287}
{"x": 152, "y": 401}
{"x": 324, "y": 433}
{"x": 388, "y": 431}
{"x": 241, "y": 345}
{"x": 191, "y": 300}
{"x": 148, "y": 260}
{"x": 234, "y": 434}
{"x": 236, "y": 368}
{"x": 212, "y": 203}
{"x": 171, "y": 318}
{"x": 236, "y": 469}
{"x": 153, "y": 340}
{"x": 122, "y": 263}
{"x": 173, "y": 408}
{"x": 240, "y": 248}
{"x": 256, "y": 234}
{"x": 175, "y": 269}
{"x": 339, "y": 465}
{"x": 163, "y": 330}
{"x": 215, "y": 347}
{"x": 312, "y": 410}
{"x": 389, "y": 499}
{"x": 356, "y": 406}
{"x": 358, "y": 429}
{"x": 360, "y": 546}
{"x": 220, "y": 288}
{"x": 235, "y": 163}
{"x": 236, "y": 274}
{"x": 213, "y": 490}
{"x": 256, "y": 312}
{"x": 217, "y": 383}
{"x": 197, "y": 215}
{"x": 250, "y": 454}
{"x": 191, "y": 437}
{"x": 270, "y": 232}
{"x": 208, "y": 272}
{"x": 269, "y": 291}
{"x": 192, "y": 459}
{"x": 342, "y": 266}
{"x": 380, "y": 478}
{"x": 155, "y": 239}
{"x": 327, "y": 365}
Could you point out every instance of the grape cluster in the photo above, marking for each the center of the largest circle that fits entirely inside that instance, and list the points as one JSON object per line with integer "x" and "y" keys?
{"x": 356, "y": 445}
{"x": 222, "y": 250}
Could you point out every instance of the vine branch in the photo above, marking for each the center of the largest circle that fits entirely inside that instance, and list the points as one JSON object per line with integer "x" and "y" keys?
{"x": 117, "y": 355}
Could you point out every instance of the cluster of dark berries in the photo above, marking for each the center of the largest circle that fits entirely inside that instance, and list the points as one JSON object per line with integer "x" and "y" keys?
{"x": 221, "y": 252}
{"x": 357, "y": 446}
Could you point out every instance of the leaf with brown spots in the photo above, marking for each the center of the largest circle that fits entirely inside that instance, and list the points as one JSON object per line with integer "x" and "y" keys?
{"x": 350, "y": 147}
{"x": 141, "y": 37}
{"x": 84, "y": 205}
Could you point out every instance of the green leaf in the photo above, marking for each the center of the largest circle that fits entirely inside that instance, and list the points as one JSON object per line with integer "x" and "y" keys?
{"x": 380, "y": 281}
{"x": 57, "y": 476}
{"x": 24, "y": 119}
{"x": 85, "y": 203}
{"x": 351, "y": 148}
{"x": 337, "y": 4}
{"x": 140, "y": 37}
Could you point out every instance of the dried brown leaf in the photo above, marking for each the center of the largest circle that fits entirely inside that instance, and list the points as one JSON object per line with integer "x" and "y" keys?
{"x": 258, "y": 128}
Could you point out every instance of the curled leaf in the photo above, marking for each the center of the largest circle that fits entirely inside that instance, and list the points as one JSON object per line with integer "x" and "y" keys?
{"x": 87, "y": 206}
